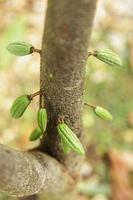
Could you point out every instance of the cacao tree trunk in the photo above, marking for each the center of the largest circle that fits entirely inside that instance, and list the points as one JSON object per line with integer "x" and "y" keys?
{"x": 64, "y": 53}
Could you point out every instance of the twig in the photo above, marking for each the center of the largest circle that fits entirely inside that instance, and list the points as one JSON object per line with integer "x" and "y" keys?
{"x": 31, "y": 96}
{"x": 36, "y": 50}
{"x": 92, "y": 106}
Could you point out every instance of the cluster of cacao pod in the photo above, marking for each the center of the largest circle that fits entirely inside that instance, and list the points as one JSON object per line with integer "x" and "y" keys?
{"x": 69, "y": 140}
{"x": 18, "y": 108}
{"x": 21, "y": 103}
{"x": 112, "y": 59}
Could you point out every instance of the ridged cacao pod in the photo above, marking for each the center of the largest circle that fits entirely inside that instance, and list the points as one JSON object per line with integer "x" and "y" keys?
{"x": 65, "y": 147}
{"x": 19, "y": 106}
{"x": 35, "y": 134}
{"x": 103, "y": 113}
{"x": 42, "y": 119}
{"x": 70, "y": 138}
{"x": 108, "y": 57}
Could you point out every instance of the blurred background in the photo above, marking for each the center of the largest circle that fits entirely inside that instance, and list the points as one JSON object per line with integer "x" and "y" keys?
{"x": 110, "y": 144}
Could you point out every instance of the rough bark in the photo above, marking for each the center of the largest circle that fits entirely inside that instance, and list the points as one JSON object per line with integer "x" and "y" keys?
{"x": 64, "y": 54}
{"x": 27, "y": 173}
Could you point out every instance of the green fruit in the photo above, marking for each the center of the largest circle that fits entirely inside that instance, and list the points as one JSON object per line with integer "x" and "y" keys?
{"x": 42, "y": 119}
{"x": 19, "y": 106}
{"x": 20, "y": 48}
{"x": 103, "y": 113}
{"x": 108, "y": 57}
{"x": 69, "y": 138}
{"x": 65, "y": 147}
{"x": 35, "y": 134}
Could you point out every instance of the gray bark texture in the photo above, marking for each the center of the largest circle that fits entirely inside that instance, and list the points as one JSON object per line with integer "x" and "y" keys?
{"x": 64, "y": 54}
{"x": 27, "y": 173}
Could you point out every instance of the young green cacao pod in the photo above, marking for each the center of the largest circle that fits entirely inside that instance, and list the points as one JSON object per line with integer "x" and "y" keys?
{"x": 20, "y": 48}
{"x": 42, "y": 119}
{"x": 36, "y": 133}
{"x": 69, "y": 138}
{"x": 103, "y": 113}
{"x": 65, "y": 147}
{"x": 108, "y": 57}
{"x": 19, "y": 106}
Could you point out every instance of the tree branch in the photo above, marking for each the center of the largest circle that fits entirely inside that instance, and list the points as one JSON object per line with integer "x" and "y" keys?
{"x": 27, "y": 173}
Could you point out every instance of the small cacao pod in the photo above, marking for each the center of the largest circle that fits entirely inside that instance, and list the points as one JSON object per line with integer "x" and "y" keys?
{"x": 19, "y": 106}
{"x": 65, "y": 147}
{"x": 36, "y": 133}
{"x": 42, "y": 119}
{"x": 70, "y": 138}
{"x": 108, "y": 57}
{"x": 103, "y": 113}
{"x": 20, "y": 48}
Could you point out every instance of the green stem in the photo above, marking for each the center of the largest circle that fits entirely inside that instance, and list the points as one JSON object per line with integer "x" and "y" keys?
{"x": 92, "y": 106}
